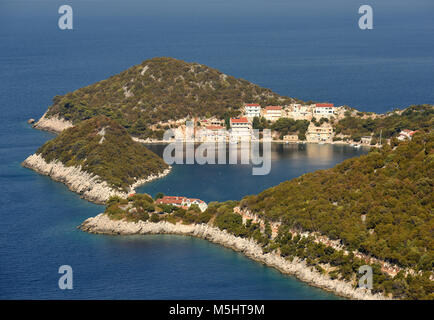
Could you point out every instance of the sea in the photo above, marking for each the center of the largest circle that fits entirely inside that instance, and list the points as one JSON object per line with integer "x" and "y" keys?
{"x": 310, "y": 49}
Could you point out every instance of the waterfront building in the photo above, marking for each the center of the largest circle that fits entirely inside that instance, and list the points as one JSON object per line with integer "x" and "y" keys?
{"x": 182, "y": 202}
{"x": 252, "y": 110}
{"x": 273, "y": 113}
{"x": 322, "y": 133}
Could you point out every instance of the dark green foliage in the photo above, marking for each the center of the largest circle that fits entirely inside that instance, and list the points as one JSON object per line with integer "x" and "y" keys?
{"x": 420, "y": 117}
{"x": 155, "y": 218}
{"x": 113, "y": 155}
{"x": 159, "y": 195}
{"x": 391, "y": 189}
{"x": 167, "y": 89}
{"x": 286, "y": 125}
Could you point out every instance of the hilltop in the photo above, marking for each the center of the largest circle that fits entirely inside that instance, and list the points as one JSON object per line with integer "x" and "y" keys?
{"x": 158, "y": 90}
{"x": 97, "y": 158}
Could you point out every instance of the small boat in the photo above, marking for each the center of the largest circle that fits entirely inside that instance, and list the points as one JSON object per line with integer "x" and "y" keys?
{"x": 357, "y": 146}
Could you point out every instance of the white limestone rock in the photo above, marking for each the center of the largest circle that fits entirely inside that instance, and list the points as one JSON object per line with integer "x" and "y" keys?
{"x": 102, "y": 224}
{"x": 91, "y": 187}
{"x": 54, "y": 124}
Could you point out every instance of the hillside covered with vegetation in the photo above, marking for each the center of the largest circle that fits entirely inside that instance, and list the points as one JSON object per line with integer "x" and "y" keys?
{"x": 161, "y": 89}
{"x": 104, "y": 148}
{"x": 418, "y": 117}
{"x": 380, "y": 204}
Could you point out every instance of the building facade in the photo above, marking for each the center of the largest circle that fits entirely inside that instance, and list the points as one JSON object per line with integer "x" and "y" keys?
{"x": 323, "y": 133}
{"x": 241, "y": 129}
{"x": 324, "y": 110}
{"x": 300, "y": 112}
{"x": 182, "y": 202}
{"x": 252, "y": 110}
{"x": 273, "y": 113}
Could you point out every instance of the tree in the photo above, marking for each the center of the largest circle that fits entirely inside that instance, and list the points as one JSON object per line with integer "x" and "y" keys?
{"x": 159, "y": 195}
{"x": 155, "y": 218}
{"x": 256, "y": 123}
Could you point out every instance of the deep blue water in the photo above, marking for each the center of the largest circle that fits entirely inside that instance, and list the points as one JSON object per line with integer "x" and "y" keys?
{"x": 305, "y": 49}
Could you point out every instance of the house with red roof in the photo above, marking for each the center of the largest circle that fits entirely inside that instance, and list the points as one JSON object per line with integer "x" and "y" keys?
{"x": 324, "y": 110}
{"x": 406, "y": 134}
{"x": 182, "y": 202}
{"x": 241, "y": 129}
{"x": 273, "y": 113}
{"x": 252, "y": 110}
{"x": 211, "y": 133}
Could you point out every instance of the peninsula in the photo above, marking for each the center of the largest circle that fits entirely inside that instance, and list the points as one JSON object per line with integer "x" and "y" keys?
{"x": 374, "y": 210}
{"x": 165, "y": 93}
{"x": 97, "y": 159}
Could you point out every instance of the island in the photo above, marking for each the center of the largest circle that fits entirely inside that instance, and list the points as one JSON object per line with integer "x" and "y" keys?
{"x": 97, "y": 159}
{"x": 373, "y": 210}
{"x": 166, "y": 93}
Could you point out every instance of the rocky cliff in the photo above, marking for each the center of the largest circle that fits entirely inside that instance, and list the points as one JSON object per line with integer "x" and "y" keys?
{"x": 90, "y": 187}
{"x": 102, "y": 224}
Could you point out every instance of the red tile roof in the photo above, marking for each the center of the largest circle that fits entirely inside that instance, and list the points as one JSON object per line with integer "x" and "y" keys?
{"x": 325, "y": 105}
{"x": 239, "y": 120}
{"x": 175, "y": 200}
{"x": 252, "y": 105}
{"x": 170, "y": 200}
{"x": 273, "y": 108}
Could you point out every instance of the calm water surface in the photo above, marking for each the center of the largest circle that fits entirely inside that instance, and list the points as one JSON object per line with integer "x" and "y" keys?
{"x": 306, "y": 49}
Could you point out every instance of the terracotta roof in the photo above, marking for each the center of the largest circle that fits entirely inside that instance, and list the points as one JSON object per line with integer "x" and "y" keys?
{"x": 239, "y": 120}
{"x": 252, "y": 105}
{"x": 170, "y": 200}
{"x": 325, "y": 105}
{"x": 176, "y": 200}
{"x": 273, "y": 108}
{"x": 409, "y": 132}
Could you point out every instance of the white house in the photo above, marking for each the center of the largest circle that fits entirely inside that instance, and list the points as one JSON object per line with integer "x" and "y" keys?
{"x": 406, "y": 134}
{"x": 241, "y": 128}
{"x": 182, "y": 202}
{"x": 273, "y": 113}
{"x": 212, "y": 133}
{"x": 324, "y": 110}
{"x": 252, "y": 110}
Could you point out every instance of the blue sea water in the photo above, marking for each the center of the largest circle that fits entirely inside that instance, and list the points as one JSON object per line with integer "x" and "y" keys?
{"x": 308, "y": 49}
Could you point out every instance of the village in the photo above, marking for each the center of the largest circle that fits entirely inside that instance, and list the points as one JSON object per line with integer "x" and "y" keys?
{"x": 320, "y": 118}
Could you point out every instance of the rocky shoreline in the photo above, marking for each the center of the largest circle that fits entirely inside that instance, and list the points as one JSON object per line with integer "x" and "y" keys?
{"x": 90, "y": 187}
{"x": 102, "y": 224}
{"x": 54, "y": 124}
